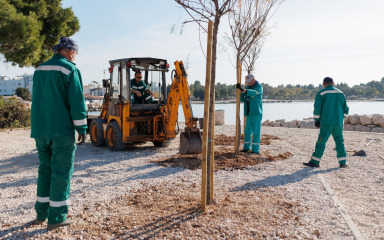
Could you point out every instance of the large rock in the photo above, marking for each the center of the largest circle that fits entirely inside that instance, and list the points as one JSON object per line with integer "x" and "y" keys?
{"x": 378, "y": 130}
{"x": 362, "y": 128}
{"x": 381, "y": 122}
{"x": 265, "y": 123}
{"x": 376, "y": 118}
{"x": 294, "y": 124}
{"x": 285, "y": 124}
{"x": 365, "y": 120}
{"x": 354, "y": 119}
{"x": 307, "y": 124}
{"x": 276, "y": 124}
{"x": 346, "y": 120}
{"x": 349, "y": 127}
{"x": 280, "y": 120}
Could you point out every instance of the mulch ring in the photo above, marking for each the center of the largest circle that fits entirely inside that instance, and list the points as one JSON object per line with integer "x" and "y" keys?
{"x": 224, "y": 140}
{"x": 225, "y": 158}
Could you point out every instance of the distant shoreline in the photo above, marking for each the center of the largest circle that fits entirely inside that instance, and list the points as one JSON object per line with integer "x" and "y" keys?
{"x": 287, "y": 101}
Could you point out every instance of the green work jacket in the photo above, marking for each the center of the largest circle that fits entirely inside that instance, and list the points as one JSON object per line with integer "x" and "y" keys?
{"x": 252, "y": 98}
{"x": 141, "y": 86}
{"x": 58, "y": 106}
{"x": 330, "y": 107}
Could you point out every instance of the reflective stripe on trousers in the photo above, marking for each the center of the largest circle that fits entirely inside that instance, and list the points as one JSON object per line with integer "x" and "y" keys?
{"x": 337, "y": 134}
{"x": 252, "y": 127}
{"x": 56, "y": 158}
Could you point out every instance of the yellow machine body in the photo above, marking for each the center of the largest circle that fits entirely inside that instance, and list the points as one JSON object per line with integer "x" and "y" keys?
{"x": 123, "y": 122}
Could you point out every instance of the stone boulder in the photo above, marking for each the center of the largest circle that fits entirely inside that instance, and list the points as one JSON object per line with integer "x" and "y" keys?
{"x": 380, "y": 122}
{"x": 376, "y": 118}
{"x": 378, "y": 130}
{"x": 265, "y": 123}
{"x": 349, "y": 127}
{"x": 294, "y": 124}
{"x": 362, "y": 128}
{"x": 354, "y": 119}
{"x": 346, "y": 120}
{"x": 365, "y": 120}
{"x": 276, "y": 124}
{"x": 307, "y": 124}
{"x": 280, "y": 120}
{"x": 285, "y": 124}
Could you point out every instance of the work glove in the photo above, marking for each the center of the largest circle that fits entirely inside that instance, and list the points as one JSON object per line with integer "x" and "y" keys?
{"x": 317, "y": 124}
{"x": 238, "y": 86}
{"x": 81, "y": 139}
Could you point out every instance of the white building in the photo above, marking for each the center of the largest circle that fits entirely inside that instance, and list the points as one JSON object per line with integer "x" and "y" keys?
{"x": 8, "y": 85}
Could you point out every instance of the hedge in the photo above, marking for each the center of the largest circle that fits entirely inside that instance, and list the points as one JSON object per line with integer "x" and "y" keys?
{"x": 14, "y": 114}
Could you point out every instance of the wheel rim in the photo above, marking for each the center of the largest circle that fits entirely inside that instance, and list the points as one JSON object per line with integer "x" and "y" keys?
{"x": 111, "y": 137}
{"x": 94, "y": 133}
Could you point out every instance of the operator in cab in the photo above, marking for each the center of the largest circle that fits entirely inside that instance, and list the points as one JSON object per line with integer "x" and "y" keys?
{"x": 141, "y": 93}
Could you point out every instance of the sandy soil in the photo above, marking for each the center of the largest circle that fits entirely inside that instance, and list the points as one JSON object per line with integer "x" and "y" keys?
{"x": 145, "y": 192}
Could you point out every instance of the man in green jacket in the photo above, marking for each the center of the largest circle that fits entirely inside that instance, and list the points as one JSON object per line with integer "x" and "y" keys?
{"x": 58, "y": 109}
{"x": 253, "y": 111}
{"x": 141, "y": 93}
{"x": 329, "y": 113}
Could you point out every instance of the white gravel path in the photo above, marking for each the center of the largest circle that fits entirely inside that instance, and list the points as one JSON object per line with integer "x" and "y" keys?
{"x": 101, "y": 175}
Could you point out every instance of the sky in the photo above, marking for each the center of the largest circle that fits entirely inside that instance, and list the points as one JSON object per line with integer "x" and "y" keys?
{"x": 308, "y": 40}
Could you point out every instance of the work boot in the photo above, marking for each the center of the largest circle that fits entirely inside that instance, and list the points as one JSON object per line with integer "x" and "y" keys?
{"x": 244, "y": 150}
{"x": 343, "y": 165}
{"x": 63, "y": 224}
{"x": 310, "y": 164}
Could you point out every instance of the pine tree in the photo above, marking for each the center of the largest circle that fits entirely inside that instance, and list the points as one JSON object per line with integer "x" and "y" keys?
{"x": 29, "y": 29}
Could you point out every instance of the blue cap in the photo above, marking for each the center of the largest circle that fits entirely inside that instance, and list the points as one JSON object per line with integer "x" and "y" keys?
{"x": 66, "y": 42}
{"x": 328, "y": 80}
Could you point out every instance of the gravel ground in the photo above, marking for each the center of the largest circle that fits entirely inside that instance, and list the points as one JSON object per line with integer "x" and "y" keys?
{"x": 123, "y": 195}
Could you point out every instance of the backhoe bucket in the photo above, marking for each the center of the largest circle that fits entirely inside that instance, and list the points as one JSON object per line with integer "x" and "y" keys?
{"x": 190, "y": 143}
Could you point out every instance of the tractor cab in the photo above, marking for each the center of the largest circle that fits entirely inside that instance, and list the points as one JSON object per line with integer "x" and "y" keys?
{"x": 122, "y": 75}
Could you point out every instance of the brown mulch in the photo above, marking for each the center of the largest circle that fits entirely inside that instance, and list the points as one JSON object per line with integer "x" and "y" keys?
{"x": 224, "y": 140}
{"x": 161, "y": 212}
{"x": 225, "y": 158}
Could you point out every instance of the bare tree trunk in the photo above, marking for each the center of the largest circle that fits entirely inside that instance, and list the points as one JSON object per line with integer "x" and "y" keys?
{"x": 238, "y": 95}
{"x": 211, "y": 136}
{"x": 206, "y": 120}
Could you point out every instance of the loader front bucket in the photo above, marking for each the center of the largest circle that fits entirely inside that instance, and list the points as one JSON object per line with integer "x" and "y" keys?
{"x": 190, "y": 142}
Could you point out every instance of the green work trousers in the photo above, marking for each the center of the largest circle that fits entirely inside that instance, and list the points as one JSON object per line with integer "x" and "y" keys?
{"x": 145, "y": 98}
{"x": 56, "y": 158}
{"x": 337, "y": 134}
{"x": 252, "y": 127}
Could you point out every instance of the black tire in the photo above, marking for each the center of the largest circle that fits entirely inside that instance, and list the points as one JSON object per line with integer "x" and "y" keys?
{"x": 114, "y": 137}
{"x": 162, "y": 144}
{"x": 96, "y": 132}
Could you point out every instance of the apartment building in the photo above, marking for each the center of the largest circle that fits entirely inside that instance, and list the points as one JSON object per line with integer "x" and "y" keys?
{"x": 8, "y": 85}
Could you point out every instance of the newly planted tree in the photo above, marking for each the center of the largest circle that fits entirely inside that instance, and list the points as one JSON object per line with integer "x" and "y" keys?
{"x": 201, "y": 12}
{"x": 248, "y": 30}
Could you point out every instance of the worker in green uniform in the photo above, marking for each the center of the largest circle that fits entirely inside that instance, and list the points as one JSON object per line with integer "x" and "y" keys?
{"x": 253, "y": 111}
{"x": 330, "y": 109}
{"x": 141, "y": 93}
{"x": 58, "y": 109}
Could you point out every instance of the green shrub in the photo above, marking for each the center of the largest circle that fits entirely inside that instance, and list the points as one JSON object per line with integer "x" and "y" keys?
{"x": 14, "y": 114}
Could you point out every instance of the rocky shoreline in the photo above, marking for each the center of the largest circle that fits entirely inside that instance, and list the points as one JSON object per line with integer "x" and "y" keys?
{"x": 361, "y": 123}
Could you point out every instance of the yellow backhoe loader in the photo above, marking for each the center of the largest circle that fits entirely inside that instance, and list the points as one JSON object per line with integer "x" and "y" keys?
{"x": 124, "y": 120}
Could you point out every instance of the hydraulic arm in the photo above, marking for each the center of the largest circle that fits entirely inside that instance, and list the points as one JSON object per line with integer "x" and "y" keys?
{"x": 190, "y": 139}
